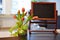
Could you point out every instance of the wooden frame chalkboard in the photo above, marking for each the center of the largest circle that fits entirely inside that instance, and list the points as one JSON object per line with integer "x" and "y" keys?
{"x": 44, "y": 10}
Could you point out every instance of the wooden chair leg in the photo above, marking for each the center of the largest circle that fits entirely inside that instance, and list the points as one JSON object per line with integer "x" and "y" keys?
{"x": 55, "y": 32}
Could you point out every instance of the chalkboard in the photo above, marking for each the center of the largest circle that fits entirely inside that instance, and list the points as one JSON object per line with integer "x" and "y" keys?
{"x": 44, "y": 9}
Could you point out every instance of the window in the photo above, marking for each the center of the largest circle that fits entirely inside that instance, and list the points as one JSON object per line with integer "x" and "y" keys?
{"x": 17, "y": 5}
{"x": 0, "y": 6}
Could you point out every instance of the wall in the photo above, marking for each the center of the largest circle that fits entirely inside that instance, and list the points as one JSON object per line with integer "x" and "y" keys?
{"x": 58, "y": 6}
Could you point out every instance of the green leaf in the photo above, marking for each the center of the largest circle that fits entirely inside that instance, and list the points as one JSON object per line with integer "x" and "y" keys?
{"x": 19, "y": 16}
{"x": 25, "y": 27}
{"x": 20, "y": 23}
{"x": 29, "y": 18}
{"x": 13, "y": 28}
{"x": 22, "y": 15}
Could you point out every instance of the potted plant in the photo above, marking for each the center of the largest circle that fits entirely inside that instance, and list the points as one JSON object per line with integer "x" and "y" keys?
{"x": 21, "y": 26}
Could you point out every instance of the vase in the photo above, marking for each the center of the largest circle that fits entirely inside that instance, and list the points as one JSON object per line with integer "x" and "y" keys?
{"x": 22, "y": 37}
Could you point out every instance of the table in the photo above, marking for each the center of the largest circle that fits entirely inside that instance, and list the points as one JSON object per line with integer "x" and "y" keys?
{"x": 5, "y": 35}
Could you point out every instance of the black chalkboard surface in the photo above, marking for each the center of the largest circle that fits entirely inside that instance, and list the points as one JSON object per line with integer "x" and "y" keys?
{"x": 44, "y": 10}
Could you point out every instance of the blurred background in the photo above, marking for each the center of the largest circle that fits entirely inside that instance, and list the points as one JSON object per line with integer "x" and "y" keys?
{"x": 10, "y": 7}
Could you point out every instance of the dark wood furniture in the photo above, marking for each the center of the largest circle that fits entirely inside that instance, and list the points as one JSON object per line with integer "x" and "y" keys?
{"x": 47, "y": 20}
{"x": 44, "y": 10}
